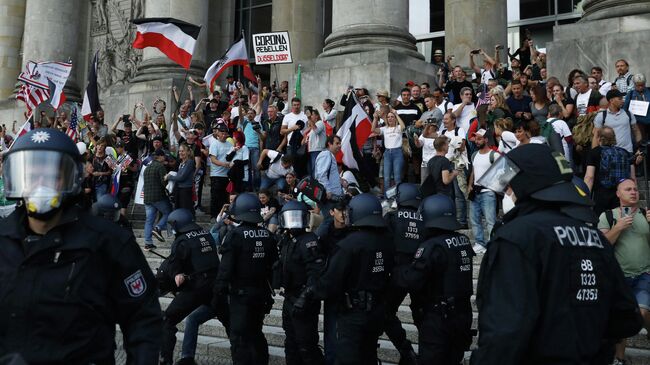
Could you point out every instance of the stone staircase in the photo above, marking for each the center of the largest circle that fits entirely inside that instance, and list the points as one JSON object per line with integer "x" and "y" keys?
{"x": 214, "y": 348}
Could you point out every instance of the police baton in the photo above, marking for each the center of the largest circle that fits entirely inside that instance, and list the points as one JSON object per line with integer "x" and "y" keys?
{"x": 157, "y": 254}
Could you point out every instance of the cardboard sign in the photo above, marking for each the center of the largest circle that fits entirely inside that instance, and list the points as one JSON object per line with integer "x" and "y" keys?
{"x": 639, "y": 107}
{"x": 271, "y": 48}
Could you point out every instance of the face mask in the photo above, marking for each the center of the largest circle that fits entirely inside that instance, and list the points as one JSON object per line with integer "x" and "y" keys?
{"x": 45, "y": 200}
{"x": 508, "y": 203}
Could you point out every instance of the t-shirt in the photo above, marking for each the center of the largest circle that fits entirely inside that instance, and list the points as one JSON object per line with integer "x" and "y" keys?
{"x": 219, "y": 150}
{"x": 408, "y": 113}
{"x": 271, "y": 204}
{"x": 621, "y": 124}
{"x": 427, "y": 149}
{"x": 317, "y": 138}
{"x": 564, "y": 131}
{"x": 451, "y": 134}
{"x": 436, "y": 165}
{"x": 252, "y": 138}
{"x": 290, "y": 120}
{"x": 519, "y": 105}
{"x": 582, "y": 102}
{"x": 481, "y": 163}
{"x": 454, "y": 87}
{"x": 435, "y": 114}
{"x": 392, "y": 136}
{"x": 486, "y": 75}
{"x": 593, "y": 159}
{"x": 632, "y": 250}
{"x": 508, "y": 141}
{"x": 276, "y": 170}
{"x": 445, "y": 106}
{"x": 468, "y": 113}
{"x": 130, "y": 142}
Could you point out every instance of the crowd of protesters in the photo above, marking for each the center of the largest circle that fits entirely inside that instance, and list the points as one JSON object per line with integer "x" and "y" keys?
{"x": 255, "y": 137}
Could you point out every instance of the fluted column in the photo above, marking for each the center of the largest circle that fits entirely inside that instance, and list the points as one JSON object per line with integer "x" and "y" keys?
{"x": 52, "y": 34}
{"x": 12, "y": 17}
{"x": 472, "y": 24}
{"x": 368, "y": 25}
{"x": 156, "y": 65}
{"x": 604, "y": 9}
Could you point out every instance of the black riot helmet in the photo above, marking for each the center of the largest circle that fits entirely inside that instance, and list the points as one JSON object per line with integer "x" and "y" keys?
{"x": 43, "y": 168}
{"x": 107, "y": 206}
{"x": 438, "y": 211}
{"x": 365, "y": 210}
{"x": 294, "y": 215}
{"x": 180, "y": 219}
{"x": 246, "y": 208}
{"x": 408, "y": 195}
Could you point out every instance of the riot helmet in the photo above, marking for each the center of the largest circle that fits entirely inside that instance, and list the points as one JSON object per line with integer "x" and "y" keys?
{"x": 294, "y": 215}
{"x": 179, "y": 219}
{"x": 44, "y": 169}
{"x": 439, "y": 211}
{"x": 365, "y": 210}
{"x": 246, "y": 208}
{"x": 108, "y": 207}
{"x": 408, "y": 195}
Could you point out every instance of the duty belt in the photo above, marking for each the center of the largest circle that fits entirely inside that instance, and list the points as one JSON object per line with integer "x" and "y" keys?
{"x": 361, "y": 300}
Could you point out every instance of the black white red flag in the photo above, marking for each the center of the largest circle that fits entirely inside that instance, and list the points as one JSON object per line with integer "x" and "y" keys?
{"x": 175, "y": 38}
{"x": 236, "y": 55}
{"x": 91, "y": 96}
{"x": 354, "y": 132}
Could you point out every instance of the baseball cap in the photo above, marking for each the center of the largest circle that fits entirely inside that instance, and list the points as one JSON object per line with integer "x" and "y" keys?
{"x": 382, "y": 92}
{"x": 438, "y": 52}
{"x": 158, "y": 138}
{"x": 159, "y": 152}
{"x": 611, "y": 94}
{"x": 481, "y": 132}
{"x": 221, "y": 127}
{"x": 410, "y": 83}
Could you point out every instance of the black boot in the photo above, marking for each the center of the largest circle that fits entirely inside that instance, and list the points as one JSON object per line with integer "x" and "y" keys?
{"x": 407, "y": 355}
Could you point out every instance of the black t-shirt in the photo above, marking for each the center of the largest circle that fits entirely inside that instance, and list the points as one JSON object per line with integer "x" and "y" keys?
{"x": 455, "y": 87}
{"x": 130, "y": 142}
{"x": 408, "y": 113}
{"x": 436, "y": 165}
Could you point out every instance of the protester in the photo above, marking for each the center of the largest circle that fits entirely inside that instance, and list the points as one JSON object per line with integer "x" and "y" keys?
{"x": 219, "y": 167}
{"x": 393, "y": 155}
{"x": 274, "y": 167}
{"x": 482, "y": 199}
{"x": 184, "y": 179}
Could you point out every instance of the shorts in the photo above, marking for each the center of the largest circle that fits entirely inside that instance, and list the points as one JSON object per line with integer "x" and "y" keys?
{"x": 641, "y": 288}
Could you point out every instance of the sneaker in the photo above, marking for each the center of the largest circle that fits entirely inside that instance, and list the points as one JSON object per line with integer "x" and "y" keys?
{"x": 619, "y": 362}
{"x": 156, "y": 233}
{"x": 149, "y": 246}
{"x": 479, "y": 249}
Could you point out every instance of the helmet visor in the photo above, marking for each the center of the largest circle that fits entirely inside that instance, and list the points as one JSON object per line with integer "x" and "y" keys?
{"x": 391, "y": 193}
{"x": 293, "y": 219}
{"x": 26, "y": 173}
{"x": 499, "y": 175}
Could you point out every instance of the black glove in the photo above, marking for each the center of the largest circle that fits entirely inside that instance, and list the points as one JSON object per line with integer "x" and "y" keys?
{"x": 301, "y": 302}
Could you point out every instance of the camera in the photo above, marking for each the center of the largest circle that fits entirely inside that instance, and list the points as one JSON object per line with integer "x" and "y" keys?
{"x": 475, "y": 51}
{"x": 256, "y": 126}
{"x": 431, "y": 121}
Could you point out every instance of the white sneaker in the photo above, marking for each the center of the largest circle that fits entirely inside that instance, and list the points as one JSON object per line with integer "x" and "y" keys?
{"x": 479, "y": 249}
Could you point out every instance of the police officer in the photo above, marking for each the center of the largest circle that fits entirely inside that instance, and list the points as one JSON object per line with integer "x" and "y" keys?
{"x": 108, "y": 207}
{"x": 550, "y": 289}
{"x": 248, "y": 255}
{"x": 301, "y": 263}
{"x": 193, "y": 265}
{"x": 442, "y": 271}
{"x": 357, "y": 275}
{"x": 66, "y": 277}
{"x": 407, "y": 230}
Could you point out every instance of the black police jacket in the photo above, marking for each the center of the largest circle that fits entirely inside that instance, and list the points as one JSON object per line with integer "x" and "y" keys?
{"x": 248, "y": 253}
{"x": 406, "y": 228}
{"x": 550, "y": 290}
{"x": 441, "y": 268}
{"x": 329, "y": 236}
{"x": 361, "y": 263}
{"x": 193, "y": 252}
{"x": 61, "y": 294}
{"x": 302, "y": 261}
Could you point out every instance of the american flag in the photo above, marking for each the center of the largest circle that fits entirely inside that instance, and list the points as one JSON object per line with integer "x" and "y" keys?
{"x": 32, "y": 96}
{"x": 484, "y": 96}
{"x": 72, "y": 129}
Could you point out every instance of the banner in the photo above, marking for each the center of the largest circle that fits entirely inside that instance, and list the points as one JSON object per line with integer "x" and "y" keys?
{"x": 272, "y": 48}
{"x": 139, "y": 189}
{"x": 40, "y": 74}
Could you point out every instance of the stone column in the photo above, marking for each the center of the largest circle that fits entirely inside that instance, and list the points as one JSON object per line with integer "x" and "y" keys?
{"x": 304, "y": 22}
{"x": 369, "y": 25}
{"x": 156, "y": 65}
{"x": 12, "y": 16}
{"x": 604, "y": 9}
{"x": 51, "y": 34}
{"x": 472, "y": 24}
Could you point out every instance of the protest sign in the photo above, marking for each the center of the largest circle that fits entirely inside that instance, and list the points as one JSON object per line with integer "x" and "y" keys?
{"x": 271, "y": 48}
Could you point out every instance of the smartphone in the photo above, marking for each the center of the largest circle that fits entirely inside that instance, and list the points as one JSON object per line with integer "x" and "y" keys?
{"x": 626, "y": 211}
{"x": 499, "y": 47}
{"x": 125, "y": 118}
{"x": 475, "y": 51}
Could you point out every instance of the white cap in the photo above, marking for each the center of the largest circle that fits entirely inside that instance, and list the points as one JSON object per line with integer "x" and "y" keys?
{"x": 481, "y": 132}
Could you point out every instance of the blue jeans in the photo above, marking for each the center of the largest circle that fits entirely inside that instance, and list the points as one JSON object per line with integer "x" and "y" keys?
{"x": 254, "y": 173}
{"x": 329, "y": 330}
{"x": 461, "y": 204}
{"x": 100, "y": 190}
{"x": 200, "y": 315}
{"x": 268, "y": 182}
{"x": 393, "y": 165}
{"x": 161, "y": 206}
{"x": 484, "y": 204}
{"x": 312, "y": 162}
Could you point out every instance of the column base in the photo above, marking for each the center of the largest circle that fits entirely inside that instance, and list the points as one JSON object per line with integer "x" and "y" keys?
{"x": 601, "y": 43}
{"x": 368, "y": 37}
{"x": 159, "y": 68}
{"x": 328, "y": 77}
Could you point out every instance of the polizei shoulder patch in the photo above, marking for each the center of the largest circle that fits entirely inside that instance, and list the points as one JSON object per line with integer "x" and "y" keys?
{"x": 135, "y": 284}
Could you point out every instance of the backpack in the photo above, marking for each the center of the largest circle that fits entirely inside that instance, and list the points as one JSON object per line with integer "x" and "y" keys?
{"x": 553, "y": 138}
{"x": 614, "y": 165}
{"x": 492, "y": 154}
{"x": 312, "y": 189}
{"x": 609, "y": 215}
{"x": 583, "y": 129}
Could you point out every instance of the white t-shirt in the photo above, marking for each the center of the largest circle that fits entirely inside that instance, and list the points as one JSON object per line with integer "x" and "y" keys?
{"x": 392, "y": 136}
{"x": 582, "y": 101}
{"x": 290, "y": 120}
{"x": 508, "y": 141}
{"x": 427, "y": 149}
{"x": 482, "y": 163}
{"x": 538, "y": 140}
{"x": 445, "y": 105}
{"x": 468, "y": 113}
{"x": 276, "y": 170}
{"x": 564, "y": 131}
{"x": 486, "y": 75}
{"x": 243, "y": 154}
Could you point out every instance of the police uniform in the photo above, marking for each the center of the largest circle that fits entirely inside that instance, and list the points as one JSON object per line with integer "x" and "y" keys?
{"x": 442, "y": 271}
{"x": 194, "y": 254}
{"x": 248, "y": 254}
{"x": 62, "y": 293}
{"x": 550, "y": 289}
{"x": 301, "y": 263}
{"x": 407, "y": 232}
